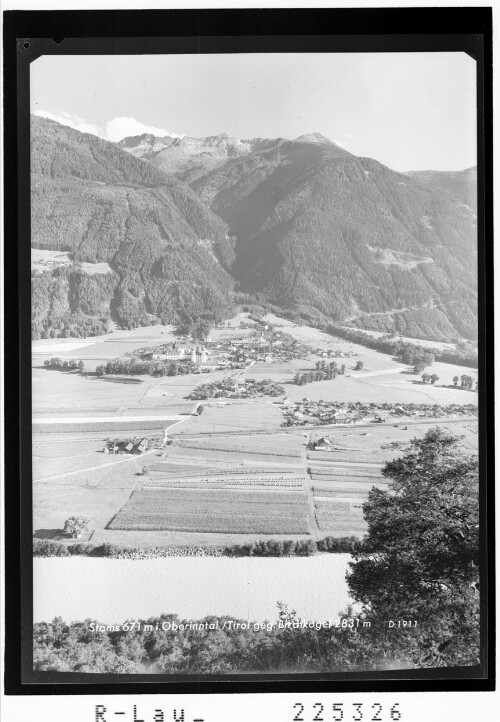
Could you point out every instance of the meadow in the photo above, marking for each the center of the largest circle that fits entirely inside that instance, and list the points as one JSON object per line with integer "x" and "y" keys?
{"x": 283, "y": 445}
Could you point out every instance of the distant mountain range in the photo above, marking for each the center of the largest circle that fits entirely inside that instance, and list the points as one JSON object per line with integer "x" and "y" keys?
{"x": 191, "y": 225}
{"x": 457, "y": 184}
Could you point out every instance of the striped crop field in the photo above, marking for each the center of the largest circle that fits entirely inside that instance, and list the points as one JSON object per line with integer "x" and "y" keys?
{"x": 339, "y": 516}
{"x": 288, "y": 482}
{"x": 355, "y": 493}
{"x": 178, "y": 471}
{"x": 347, "y": 478}
{"x": 222, "y": 511}
{"x": 344, "y": 470}
{"x": 356, "y": 457}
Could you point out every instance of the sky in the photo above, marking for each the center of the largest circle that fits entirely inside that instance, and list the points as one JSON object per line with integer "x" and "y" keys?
{"x": 410, "y": 111}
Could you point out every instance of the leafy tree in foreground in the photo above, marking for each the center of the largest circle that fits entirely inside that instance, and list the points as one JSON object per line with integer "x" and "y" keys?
{"x": 75, "y": 525}
{"x": 419, "y": 560}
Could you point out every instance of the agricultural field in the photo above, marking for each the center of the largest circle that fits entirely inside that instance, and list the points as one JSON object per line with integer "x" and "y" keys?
{"x": 246, "y": 482}
{"x": 52, "y": 457}
{"x": 200, "y": 540}
{"x": 214, "y": 511}
{"x": 381, "y": 379}
{"x": 282, "y": 445}
{"x": 233, "y": 416}
{"x": 96, "y": 493}
{"x": 180, "y": 471}
{"x": 343, "y": 516}
{"x": 231, "y": 458}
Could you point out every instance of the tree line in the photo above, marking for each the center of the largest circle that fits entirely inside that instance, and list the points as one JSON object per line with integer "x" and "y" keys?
{"x": 133, "y": 366}
{"x": 409, "y": 353}
{"x": 64, "y": 364}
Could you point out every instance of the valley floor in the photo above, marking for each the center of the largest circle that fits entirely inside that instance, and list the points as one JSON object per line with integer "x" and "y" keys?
{"x": 233, "y": 474}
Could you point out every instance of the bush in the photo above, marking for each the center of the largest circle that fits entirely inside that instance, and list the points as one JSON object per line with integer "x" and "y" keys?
{"x": 81, "y": 549}
{"x": 49, "y": 548}
{"x": 304, "y": 548}
{"x": 108, "y": 550}
{"x": 340, "y": 545}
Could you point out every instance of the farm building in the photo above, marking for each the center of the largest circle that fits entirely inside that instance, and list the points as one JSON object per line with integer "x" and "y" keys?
{"x": 323, "y": 443}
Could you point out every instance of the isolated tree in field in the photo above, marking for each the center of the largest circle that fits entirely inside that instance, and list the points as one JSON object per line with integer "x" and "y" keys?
{"x": 75, "y": 525}
{"x": 342, "y": 369}
{"x": 81, "y": 366}
{"x": 434, "y": 378}
{"x": 466, "y": 381}
{"x": 359, "y": 366}
{"x": 425, "y": 378}
{"x": 201, "y": 409}
{"x": 420, "y": 557}
{"x": 455, "y": 380}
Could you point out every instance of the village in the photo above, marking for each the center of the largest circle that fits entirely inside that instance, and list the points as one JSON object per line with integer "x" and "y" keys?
{"x": 264, "y": 344}
{"x": 301, "y": 413}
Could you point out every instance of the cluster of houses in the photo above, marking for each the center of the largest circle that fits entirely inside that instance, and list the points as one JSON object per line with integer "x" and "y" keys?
{"x": 331, "y": 353}
{"x": 176, "y": 352}
{"x": 264, "y": 345}
{"x": 303, "y": 412}
{"x": 126, "y": 446}
{"x": 232, "y": 389}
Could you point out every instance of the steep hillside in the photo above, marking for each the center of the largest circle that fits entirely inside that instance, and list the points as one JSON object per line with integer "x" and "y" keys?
{"x": 303, "y": 225}
{"x": 168, "y": 250}
{"x": 320, "y": 230}
{"x": 458, "y": 184}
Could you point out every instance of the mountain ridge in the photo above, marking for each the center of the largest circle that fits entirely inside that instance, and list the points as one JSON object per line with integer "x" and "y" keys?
{"x": 302, "y": 224}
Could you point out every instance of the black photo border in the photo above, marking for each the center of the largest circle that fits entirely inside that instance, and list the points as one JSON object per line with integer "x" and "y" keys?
{"x": 29, "y": 34}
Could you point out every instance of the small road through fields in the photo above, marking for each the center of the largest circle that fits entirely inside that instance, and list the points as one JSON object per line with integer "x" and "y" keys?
{"x": 111, "y": 463}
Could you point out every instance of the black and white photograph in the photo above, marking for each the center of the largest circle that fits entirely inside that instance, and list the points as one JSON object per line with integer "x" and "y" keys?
{"x": 254, "y": 324}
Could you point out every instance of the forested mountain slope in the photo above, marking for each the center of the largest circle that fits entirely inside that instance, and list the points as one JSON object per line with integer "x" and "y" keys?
{"x": 302, "y": 224}
{"x": 321, "y": 230}
{"x": 167, "y": 249}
